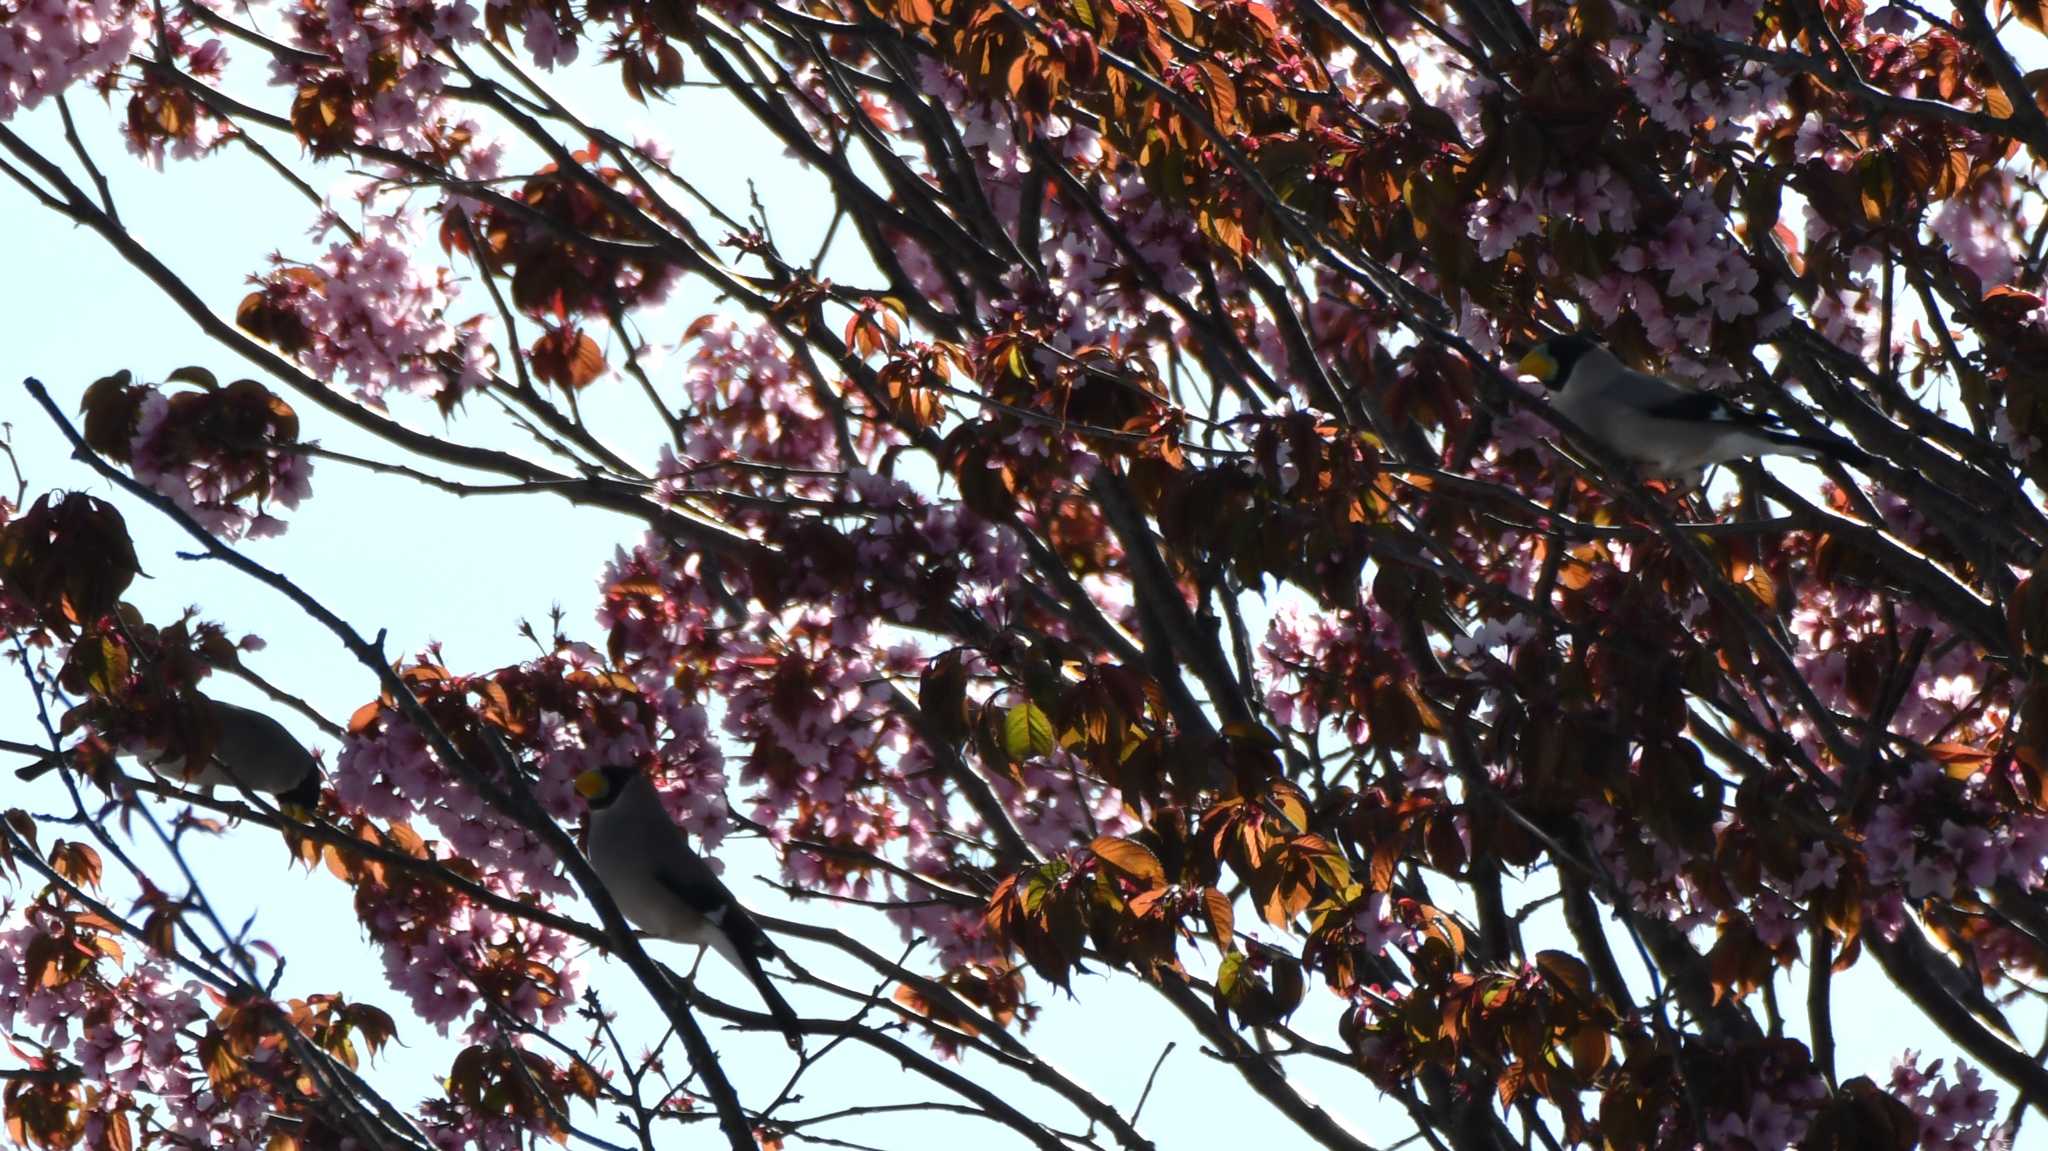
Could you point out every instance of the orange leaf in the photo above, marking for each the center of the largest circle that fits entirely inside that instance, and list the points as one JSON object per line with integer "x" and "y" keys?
{"x": 567, "y": 357}
{"x": 1591, "y": 1049}
{"x": 1183, "y": 18}
{"x": 1566, "y": 970}
{"x": 364, "y": 716}
{"x": 1957, "y": 753}
{"x": 77, "y": 862}
{"x": 1510, "y": 1082}
{"x": 1222, "y": 920}
{"x": 1130, "y": 858}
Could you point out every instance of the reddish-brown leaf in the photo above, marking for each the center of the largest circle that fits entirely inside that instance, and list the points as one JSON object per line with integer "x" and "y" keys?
{"x": 567, "y": 358}
{"x": 77, "y": 862}
{"x": 1130, "y": 858}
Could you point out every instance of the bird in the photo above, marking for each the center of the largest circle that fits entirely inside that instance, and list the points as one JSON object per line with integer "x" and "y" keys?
{"x": 250, "y": 749}
{"x": 665, "y": 888}
{"x": 1670, "y": 430}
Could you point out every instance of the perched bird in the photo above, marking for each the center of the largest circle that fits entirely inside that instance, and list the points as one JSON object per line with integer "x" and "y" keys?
{"x": 666, "y": 888}
{"x": 1668, "y": 429}
{"x": 250, "y": 749}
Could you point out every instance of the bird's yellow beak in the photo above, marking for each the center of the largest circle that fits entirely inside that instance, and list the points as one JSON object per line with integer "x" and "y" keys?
{"x": 590, "y": 784}
{"x": 1538, "y": 363}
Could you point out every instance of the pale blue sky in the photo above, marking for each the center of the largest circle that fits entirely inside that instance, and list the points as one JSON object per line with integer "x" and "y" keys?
{"x": 386, "y": 553}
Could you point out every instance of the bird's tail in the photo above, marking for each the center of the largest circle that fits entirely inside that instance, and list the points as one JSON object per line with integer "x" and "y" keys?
{"x": 785, "y": 1016}
{"x": 747, "y": 954}
{"x": 1806, "y": 447}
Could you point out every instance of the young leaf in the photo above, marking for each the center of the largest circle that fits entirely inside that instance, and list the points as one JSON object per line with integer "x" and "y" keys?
{"x": 1131, "y": 858}
{"x": 1027, "y": 731}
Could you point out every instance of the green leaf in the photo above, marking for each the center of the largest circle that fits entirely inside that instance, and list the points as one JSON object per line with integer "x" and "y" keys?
{"x": 1027, "y": 731}
{"x": 1229, "y": 973}
{"x": 108, "y": 670}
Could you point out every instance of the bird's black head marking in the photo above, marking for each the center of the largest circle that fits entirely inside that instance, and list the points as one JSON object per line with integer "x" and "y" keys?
{"x": 603, "y": 786}
{"x": 1566, "y": 350}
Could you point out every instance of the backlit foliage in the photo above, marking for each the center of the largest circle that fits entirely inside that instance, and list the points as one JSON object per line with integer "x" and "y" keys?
{"x": 1128, "y": 550}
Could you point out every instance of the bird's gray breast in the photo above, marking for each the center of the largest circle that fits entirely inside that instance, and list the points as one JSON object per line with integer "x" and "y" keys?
{"x": 1611, "y": 408}
{"x": 1597, "y": 414}
{"x": 626, "y": 849}
{"x": 173, "y": 768}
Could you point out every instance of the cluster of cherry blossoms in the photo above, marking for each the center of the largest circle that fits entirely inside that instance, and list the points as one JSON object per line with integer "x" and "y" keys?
{"x": 369, "y": 312}
{"x": 1323, "y": 670}
{"x": 1051, "y": 798}
{"x": 446, "y": 951}
{"x": 1724, "y": 105}
{"x": 1596, "y": 199}
{"x": 126, "y": 1026}
{"x": 392, "y": 774}
{"x": 375, "y": 75}
{"x": 1956, "y": 1114}
{"x": 211, "y": 489}
{"x": 225, "y": 454}
{"x": 749, "y": 405}
{"x": 1101, "y": 268}
{"x": 1837, "y": 626}
{"x": 47, "y": 46}
{"x": 832, "y": 758}
{"x": 1933, "y": 837}
{"x": 1775, "y": 1117}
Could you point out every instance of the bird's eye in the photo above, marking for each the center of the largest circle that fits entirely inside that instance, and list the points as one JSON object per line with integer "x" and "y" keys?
{"x": 592, "y": 785}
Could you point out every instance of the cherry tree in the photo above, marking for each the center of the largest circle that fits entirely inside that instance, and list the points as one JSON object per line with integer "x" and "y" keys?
{"x": 1116, "y": 541}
